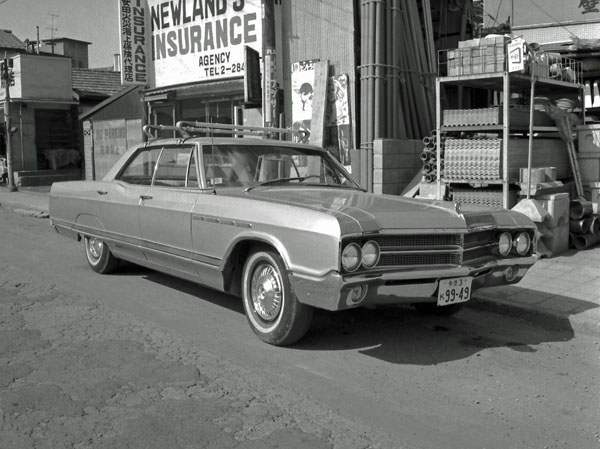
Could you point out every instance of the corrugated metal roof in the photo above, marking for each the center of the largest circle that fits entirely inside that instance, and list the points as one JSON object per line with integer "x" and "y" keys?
{"x": 97, "y": 83}
{"x": 9, "y": 40}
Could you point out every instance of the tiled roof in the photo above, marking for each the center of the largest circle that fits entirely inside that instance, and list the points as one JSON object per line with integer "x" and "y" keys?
{"x": 9, "y": 40}
{"x": 96, "y": 83}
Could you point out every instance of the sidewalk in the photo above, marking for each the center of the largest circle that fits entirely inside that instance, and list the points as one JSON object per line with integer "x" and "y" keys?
{"x": 28, "y": 200}
{"x": 562, "y": 289}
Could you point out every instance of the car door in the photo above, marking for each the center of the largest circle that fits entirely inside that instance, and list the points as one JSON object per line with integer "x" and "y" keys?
{"x": 216, "y": 215}
{"x": 118, "y": 203}
{"x": 166, "y": 208}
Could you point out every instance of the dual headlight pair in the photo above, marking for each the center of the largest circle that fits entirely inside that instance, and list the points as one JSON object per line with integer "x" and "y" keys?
{"x": 520, "y": 242}
{"x": 354, "y": 255}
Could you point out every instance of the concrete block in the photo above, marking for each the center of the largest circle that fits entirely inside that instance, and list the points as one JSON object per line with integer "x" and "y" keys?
{"x": 557, "y": 205}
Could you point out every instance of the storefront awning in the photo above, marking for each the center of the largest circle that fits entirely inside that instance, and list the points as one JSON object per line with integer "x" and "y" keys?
{"x": 229, "y": 87}
{"x": 42, "y": 101}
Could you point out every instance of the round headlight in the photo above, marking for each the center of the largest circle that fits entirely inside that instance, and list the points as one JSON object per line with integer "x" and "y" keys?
{"x": 351, "y": 257}
{"x": 370, "y": 254}
{"x": 504, "y": 244}
{"x": 522, "y": 243}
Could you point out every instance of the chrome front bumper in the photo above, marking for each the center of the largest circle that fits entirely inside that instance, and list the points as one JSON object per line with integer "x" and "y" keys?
{"x": 331, "y": 292}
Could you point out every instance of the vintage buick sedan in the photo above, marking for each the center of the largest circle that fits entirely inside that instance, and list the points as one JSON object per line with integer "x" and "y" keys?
{"x": 283, "y": 226}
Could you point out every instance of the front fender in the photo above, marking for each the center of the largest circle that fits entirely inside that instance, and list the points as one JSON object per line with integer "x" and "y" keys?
{"x": 305, "y": 253}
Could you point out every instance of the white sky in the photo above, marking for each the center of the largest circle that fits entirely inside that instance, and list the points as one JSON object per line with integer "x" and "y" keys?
{"x": 94, "y": 21}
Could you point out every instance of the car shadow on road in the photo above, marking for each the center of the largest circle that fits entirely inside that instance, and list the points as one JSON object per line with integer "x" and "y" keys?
{"x": 401, "y": 335}
{"x": 203, "y": 293}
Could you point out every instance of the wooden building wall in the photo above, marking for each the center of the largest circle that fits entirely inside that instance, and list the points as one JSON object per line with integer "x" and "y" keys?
{"x": 319, "y": 29}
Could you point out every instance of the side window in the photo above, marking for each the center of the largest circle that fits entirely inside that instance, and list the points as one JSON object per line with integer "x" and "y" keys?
{"x": 193, "y": 172}
{"x": 218, "y": 167}
{"x": 172, "y": 167}
{"x": 140, "y": 169}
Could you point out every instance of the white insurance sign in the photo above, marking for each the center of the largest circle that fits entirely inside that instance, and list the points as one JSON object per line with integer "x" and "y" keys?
{"x": 194, "y": 40}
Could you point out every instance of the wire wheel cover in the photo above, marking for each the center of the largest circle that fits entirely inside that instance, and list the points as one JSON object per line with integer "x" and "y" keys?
{"x": 95, "y": 247}
{"x": 266, "y": 290}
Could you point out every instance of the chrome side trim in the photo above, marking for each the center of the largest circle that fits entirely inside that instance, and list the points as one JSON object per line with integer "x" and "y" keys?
{"x": 221, "y": 220}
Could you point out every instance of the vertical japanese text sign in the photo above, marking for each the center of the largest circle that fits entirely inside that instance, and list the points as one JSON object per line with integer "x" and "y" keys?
{"x": 134, "y": 42}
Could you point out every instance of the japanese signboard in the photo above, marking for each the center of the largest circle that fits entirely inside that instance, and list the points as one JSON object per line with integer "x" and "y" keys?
{"x": 135, "y": 54}
{"x": 516, "y": 55}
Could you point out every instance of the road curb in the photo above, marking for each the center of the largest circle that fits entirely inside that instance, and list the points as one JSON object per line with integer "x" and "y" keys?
{"x": 24, "y": 210}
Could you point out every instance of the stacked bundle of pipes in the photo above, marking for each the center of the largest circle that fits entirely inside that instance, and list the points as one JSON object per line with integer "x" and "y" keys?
{"x": 397, "y": 70}
{"x": 584, "y": 225}
{"x": 429, "y": 157}
{"x": 477, "y": 159}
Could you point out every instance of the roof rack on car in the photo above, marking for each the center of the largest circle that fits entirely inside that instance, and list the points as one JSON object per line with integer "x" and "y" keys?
{"x": 148, "y": 130}
{"x": 237, "y": 130}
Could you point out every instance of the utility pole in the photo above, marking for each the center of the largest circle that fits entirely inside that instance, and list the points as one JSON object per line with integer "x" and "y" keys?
{"x": 270, "y": 112}
{"x": 6, "y": 77}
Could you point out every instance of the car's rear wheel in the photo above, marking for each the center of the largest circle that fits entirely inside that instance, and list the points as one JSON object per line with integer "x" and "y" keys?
{"x": 434, "y": 309}
{"x": 273, "y": 311}
{"x": 99, "y": 256}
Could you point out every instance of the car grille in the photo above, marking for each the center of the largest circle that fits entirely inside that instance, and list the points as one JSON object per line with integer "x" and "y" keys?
{"x": 434, "y": 249}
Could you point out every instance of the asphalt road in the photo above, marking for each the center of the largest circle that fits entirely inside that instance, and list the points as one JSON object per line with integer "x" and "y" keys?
{"x": 365, "y": 378}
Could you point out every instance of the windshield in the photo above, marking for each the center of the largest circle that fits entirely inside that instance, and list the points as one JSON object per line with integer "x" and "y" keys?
{"x": 249, "y": 166}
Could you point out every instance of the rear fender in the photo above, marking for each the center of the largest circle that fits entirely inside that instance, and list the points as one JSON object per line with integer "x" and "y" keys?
{"x": 88, "y": 222}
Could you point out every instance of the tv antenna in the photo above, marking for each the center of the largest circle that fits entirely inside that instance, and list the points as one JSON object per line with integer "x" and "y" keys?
{"x": 52, "y": 29}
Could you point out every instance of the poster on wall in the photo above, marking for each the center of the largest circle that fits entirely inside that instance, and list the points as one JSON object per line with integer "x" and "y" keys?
{"x": 111, "y": 138}
{"x": 337, "y": 118}
{"x": 303, "y": 80}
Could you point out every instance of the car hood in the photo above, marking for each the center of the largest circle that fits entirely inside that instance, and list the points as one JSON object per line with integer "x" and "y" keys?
{"x": 358, "y": 211}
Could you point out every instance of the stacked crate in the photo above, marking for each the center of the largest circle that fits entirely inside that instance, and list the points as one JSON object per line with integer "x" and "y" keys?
{"x": 476, "y": 56}
{"x": 485, "y": 196}
{"x": 473, "y": 159}
{"x": 519, "y": 117}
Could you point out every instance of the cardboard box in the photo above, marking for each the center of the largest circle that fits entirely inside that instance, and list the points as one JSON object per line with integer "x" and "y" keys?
{"x": 455, "y": 71}
{"x": 589, "y": 167}
{"x": 538, "y": 175}
{"x": 588, "y": 139}
{"x": 592, "y": 193}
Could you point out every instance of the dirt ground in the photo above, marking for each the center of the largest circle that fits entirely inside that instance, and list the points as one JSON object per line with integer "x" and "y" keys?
{"x": 74, "y": 373}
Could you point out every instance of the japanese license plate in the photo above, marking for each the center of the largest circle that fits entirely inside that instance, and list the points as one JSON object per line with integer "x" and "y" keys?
{"x": 452, "y": 291}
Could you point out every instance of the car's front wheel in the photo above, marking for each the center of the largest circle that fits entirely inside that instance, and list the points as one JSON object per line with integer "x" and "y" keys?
{"x": 99, "y": 256}
{"x": 273, "y": 311}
